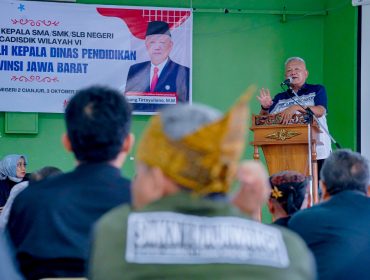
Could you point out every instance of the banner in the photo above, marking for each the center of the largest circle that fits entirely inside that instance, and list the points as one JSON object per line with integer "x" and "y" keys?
{"x": 48, "y": 51}
{"x": 360, "y": 2}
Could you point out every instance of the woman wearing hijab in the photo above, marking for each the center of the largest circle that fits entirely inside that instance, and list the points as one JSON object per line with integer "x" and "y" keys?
{"x": 12, "y": 172}
{"x": 43, "y": 173}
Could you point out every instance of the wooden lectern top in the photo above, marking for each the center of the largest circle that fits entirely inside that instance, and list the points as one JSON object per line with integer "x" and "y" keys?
{"x": 287, "y": 147}
{"x": 269, "y": 130}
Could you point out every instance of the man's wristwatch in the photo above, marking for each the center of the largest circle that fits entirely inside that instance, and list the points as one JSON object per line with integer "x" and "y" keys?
{"x": 265, "y": 109}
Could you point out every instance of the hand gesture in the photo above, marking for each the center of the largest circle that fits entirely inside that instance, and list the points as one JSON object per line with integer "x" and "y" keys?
{"x": 288, "y": 113}
{"x": 265, "y": 98}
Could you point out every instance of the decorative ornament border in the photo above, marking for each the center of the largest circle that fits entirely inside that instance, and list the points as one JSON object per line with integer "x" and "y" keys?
{"x": 32, "y": 22}
{"x": 34, "y": 78}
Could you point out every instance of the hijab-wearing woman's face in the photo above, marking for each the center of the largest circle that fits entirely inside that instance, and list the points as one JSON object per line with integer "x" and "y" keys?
{"x": 21, "y": 168}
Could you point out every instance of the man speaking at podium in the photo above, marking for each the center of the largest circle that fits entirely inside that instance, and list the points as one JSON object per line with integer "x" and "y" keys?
{"x": 298, "y": 98}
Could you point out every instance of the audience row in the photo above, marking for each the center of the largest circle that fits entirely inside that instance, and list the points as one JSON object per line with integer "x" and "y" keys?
{"x": 177, "y": 219}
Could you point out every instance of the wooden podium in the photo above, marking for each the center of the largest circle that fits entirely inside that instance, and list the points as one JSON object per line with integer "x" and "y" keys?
{"x": 288, "y": 147}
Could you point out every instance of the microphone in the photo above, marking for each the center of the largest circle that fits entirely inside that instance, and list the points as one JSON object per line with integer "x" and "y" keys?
{"x": 287, "y": 82}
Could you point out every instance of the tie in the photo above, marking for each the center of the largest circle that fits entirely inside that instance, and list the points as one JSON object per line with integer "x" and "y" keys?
{"x": 154, "y": 79}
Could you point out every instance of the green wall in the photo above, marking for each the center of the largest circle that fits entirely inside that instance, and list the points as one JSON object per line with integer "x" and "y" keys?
{"x": 231, "y": 51}
{"x": 340, "y": 72}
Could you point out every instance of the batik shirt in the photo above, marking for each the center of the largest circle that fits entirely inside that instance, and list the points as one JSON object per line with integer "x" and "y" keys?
{"x": 308, "y": 95}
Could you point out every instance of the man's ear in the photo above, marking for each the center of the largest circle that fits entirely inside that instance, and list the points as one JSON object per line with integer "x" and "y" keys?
{"x": 163, "y": 183}
{"x": 66, "y": 142}
{"x": 368, "y": 190}
{"x": 325, "y": 194}
{"x": 128, "y": 143}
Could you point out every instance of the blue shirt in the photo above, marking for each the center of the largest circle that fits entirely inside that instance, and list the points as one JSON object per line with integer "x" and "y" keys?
{"x": 337, "y": 232}
{"x": 50, "y": 222}
{"x": 309, "y": 95}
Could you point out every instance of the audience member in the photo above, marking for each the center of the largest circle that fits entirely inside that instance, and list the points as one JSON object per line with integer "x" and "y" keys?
{"x": 174, "y": 230}
{"x": 338, "y": 229}
{"x": 35, "y": 176}
{"x": 288, "y": 191}
{"x": 50, "y": 222}
{"x": 254, "y": 190}
{"x": 12, "y": 172}
{"x": 45, "y": 172}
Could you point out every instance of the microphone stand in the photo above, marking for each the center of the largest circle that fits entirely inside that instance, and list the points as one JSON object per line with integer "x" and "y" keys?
{"x": 312, "y": 116}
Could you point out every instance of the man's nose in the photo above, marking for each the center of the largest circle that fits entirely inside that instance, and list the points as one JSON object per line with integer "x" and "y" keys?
{"x": 295, "y": 72}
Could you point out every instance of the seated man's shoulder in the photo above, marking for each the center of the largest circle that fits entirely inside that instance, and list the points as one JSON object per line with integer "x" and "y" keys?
{"x": 47, "y": 188}
{"x": 311, "y": 212}
{"x": 114, "y": 218}
{"x": 293, "y": 240}
{"x": 299, "y": 254}
{"x": 304, "y": 221}
{"x": 35, "y": 187}
{"x": 109, "y": 232}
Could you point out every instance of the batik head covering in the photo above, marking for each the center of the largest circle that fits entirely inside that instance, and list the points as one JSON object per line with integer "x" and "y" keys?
{"x": 8, "y": 166}
{"x": 204, "y": 160}
{"x": 289, "y": 189}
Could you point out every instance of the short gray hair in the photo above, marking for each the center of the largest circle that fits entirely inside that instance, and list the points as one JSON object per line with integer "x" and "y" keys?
{"x": 345, "y": 170}
{"x": 184, "y": 119}
{"x": 294, "y": 58}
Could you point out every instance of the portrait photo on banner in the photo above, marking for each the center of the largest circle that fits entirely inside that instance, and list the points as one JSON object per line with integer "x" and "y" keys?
{"x": 161, "y": 73}
{"x": 49, "y": 51}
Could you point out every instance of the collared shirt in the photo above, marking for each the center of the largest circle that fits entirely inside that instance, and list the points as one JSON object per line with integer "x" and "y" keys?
{"x": 160, "y": 68}
{"x": 308, "y": 95}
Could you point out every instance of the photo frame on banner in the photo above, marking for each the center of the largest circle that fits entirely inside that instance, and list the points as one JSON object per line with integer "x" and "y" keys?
{"x": 48, "y": 51}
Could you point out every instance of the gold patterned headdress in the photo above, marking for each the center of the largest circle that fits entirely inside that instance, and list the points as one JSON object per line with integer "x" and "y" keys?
{"x": 204, "y": 161}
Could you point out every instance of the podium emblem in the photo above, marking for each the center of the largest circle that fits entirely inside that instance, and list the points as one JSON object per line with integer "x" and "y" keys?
{"x": 282, "y": 135}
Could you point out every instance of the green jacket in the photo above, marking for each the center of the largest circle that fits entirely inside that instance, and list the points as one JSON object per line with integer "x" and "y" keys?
{"x": 191, "y": 261}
